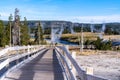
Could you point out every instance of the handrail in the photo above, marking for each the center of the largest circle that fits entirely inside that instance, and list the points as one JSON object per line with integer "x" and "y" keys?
{"x": 4, "y": 51}
{"x": 17, "y": 59}
{"x": 61, "y": 57}
{"x": 78, "y": 69}
{"x": 81, "y": 73}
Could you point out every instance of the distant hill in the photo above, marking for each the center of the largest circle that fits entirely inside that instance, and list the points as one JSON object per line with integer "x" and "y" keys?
{"x": 111, "y": 28}
{"x": 47, "y": 24}
{"x": 34, "y": 23}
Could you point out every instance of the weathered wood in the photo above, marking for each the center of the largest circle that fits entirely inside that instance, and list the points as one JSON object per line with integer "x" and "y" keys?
{"x": 16, "y": 48}
{"x": 44, "y": 67}
{"x": 89, "y": 70}
{"x": 72, "y": 66}
{"x": 81, "y": 73}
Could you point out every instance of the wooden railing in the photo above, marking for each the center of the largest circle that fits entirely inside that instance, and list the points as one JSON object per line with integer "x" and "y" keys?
{"x": 72, "y": 70}
{"x": 65, "y": 66}
{"x": 14, "y": 61}
{"x": 16, "y": 48}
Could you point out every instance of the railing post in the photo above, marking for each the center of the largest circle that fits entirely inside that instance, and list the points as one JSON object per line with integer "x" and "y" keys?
{"x": 67, "y": 47}
{"x": 8, "y": 61}
{"x": 68, "y": 61}
{"x": 89, "y": 70}
{"x": 28, "y": 49}
{"x": 17, "y": 52}
{"x": 70, "y": 64}
{"x": 35, "y": 49}
{"x": 72, "y": 67}
{"x": 24, "y": 51}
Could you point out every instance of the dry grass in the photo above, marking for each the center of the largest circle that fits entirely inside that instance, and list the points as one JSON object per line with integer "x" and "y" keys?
{"x": 85, "y": 52}
{"x": 31, "y": 39}
{"x": 111, "y": 36}
{"x": 87, "y": 35}
{"x": 76, "y": 37}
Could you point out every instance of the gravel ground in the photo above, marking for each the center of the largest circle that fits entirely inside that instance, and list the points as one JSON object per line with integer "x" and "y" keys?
{"x": 105, "y": 64}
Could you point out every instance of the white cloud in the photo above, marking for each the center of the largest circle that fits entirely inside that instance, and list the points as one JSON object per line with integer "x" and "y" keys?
{"x": 33, "y": 13}
{"x": 98, "y": 19}
{"x": 4, "y": 14}
{"x": 86, "y": 19}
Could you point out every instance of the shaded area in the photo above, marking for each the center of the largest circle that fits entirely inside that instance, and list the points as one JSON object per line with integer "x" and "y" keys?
{"x": 14, "y": 62}
{"x": 57, "y": 68}
{"x": 28, "y": 70}
{"x": 2, "y": 71}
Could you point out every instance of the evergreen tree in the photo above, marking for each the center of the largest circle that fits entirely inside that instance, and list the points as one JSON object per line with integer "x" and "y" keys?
{"x": 87, "y": 42}
{"x": 2, "y": 40}
{"x": 25, "y": 37}
{"x": 8, "y": 32}
{"x": 39, "y": 35}
{"x": 103, "y": 45}
{"x": 97, "y": 43}
{"x": 108, "y": 31}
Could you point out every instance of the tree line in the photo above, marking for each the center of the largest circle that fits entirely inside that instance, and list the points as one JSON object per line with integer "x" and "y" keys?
{"x": 6, "y": 33}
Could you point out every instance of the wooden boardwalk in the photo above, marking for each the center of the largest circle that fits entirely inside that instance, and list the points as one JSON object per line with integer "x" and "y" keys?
{"x": 43, "y": 67}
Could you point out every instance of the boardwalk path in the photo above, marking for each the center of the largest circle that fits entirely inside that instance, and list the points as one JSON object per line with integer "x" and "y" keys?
{"x": 43, "y": 67}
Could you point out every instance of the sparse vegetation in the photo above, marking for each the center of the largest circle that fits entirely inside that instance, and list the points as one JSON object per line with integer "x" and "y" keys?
{"x": 102, "y": 45}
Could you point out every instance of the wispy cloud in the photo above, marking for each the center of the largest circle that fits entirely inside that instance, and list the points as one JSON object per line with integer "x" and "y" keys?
{"x": 51, "y": 12}
{"x": 84, "y": 19}
{"x": 28, "y": 11}
{"x": 81, "y": 19}
{"x": 98, "y": 19}
{"x": 4, "y": 14}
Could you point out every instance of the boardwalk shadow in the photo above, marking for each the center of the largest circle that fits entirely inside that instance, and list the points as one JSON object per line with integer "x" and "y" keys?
{"x": 28, "y": 70}
{"x": 57, "y": 68}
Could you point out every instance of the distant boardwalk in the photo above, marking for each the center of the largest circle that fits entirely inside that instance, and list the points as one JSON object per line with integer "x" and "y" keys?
{"x": 43, "y": 67}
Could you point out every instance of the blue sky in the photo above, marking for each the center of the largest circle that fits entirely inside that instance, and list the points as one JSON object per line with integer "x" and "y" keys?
{"x": 69, "y": 10}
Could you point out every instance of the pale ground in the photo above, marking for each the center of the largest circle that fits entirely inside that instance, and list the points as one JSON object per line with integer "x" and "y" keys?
{"x": 105, "y": 64}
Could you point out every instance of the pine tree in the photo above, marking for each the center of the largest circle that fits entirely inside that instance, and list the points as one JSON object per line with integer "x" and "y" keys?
{"x": 87, "y": 42}
{"x": 25, "y": 37}
{"x": 7, "y": 34}
{"x": 97, "y": 43}
{"x": 36, "y": 37}
{"x": 8, "y": 31}
{"x": 2, "y": 39}
{"x": 39, "y": 35}
{"x": 103, "y": 45}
